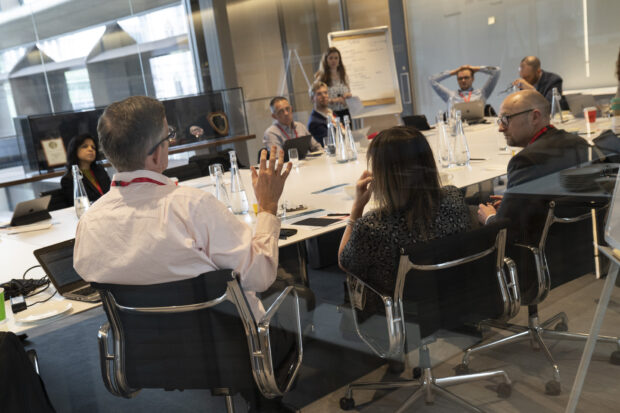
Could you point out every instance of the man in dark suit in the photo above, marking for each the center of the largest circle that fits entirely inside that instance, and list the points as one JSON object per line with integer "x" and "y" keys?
{"x": 525, "y": 122}
{"x": 533, "y": 77}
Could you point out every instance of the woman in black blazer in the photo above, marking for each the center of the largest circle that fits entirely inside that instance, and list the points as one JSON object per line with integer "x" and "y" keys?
{"x": 83, "y": 150}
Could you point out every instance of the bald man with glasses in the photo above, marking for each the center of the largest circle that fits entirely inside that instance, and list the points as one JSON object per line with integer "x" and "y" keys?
{"x": 524, "y": 120}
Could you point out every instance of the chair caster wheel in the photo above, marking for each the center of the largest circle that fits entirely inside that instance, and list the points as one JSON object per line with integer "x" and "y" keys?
{"x": 396, "y": 366}
{"x": 417, "y": 373}
{"x": 553, "y": 388}
{"x": 461, "y": 369}
{"x": 561, "y": 326}
{"x": 504, "y": 390}
{"x": 347, "y": 403}
{"x": 615, "y": 358}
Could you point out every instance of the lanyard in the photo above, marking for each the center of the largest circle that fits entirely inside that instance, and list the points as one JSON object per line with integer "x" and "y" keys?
{"x": 286, "y": 134}
{"x": 466, "y": 99}
{"x": 94, "y": 182}
{"x": 135, "y": 181}
{"x": 540, "y": 132}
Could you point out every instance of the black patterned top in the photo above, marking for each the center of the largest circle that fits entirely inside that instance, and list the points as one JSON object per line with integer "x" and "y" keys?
{"x": 373, "y": 251}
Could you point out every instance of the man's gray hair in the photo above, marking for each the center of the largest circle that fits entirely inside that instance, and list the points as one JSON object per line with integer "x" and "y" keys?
{"x": 272, "y": 103}
{"x": 129, "y": 129}
{"x": 316, "y": 86}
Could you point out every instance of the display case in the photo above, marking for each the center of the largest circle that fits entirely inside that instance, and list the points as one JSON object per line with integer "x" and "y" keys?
{"x": 197, "y": 118}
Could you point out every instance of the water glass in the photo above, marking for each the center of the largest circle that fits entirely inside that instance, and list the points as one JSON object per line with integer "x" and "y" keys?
{"x": 214, "y": 168}
{"x": 293, "y": 156}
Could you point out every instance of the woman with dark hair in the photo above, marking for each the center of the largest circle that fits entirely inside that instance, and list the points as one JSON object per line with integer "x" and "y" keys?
{"x": 83, "y": 150}
{"x": 411, "y": 206}
{"x": 334, "y": 75}
{"x": 615, "y": 102}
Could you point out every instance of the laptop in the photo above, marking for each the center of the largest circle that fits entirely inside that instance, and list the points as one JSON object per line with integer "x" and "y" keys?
{"x": 577, "y": 102}
{"x": 472, "y": 110}
{"x": 417, "y": 121}
{"x": 29, "y": 212}
{"x": 302, "y": 144}
{"x": 57, "y": 262}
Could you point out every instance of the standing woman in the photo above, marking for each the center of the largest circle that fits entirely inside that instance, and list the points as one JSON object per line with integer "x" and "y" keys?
{"x": 334, "y": 75}
{"x": 83, "y": 151}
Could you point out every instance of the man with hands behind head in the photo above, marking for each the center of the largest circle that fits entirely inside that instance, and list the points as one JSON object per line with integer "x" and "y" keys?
{"x": 465, "y": 78}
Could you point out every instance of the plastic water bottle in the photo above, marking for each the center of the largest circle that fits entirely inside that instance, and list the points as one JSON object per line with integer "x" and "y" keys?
{"x": 341, "y": 147}
{"x": 556, "y": 109}
{"x": 80, "y": 199}
{"x": 238, "y": 197}
{"x": 446, "y": 157}
{"x": 352, "y": 149}
{"x": 330, "y": 139}
{"x": 461, "y": 149}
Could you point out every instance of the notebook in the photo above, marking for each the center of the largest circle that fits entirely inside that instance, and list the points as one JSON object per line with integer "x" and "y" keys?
{"x": 29, "y": 212}
{"x": 57, "y": 262}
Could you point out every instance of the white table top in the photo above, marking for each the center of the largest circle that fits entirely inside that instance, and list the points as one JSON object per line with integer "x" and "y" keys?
{"x": 313, "y": 174}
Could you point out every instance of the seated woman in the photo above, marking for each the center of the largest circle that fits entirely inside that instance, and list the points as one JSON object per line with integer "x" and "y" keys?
{"x": 83, "y": 151}
{"x": 411, "y": 207}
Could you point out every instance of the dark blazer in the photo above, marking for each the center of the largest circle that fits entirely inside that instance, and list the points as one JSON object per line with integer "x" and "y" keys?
{"x": 66, "y": 183}
{"x": 545, "y": 85}
{"x": 317, "y": 126}
{"x": 553, "y": 151}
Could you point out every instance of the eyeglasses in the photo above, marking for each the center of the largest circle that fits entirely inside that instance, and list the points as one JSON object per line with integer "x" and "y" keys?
{"x": 170, "y": 137}
{"x": 463, "y": 78}
{"x": 504, "y": 119}
{"x": 284, "y": 110}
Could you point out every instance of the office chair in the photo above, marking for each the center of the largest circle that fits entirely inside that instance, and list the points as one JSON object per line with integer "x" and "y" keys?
{"x": 203, "y": 161}
{"x": 442, "y": 284}
{"x": 534, "y": 291}
{"x": 57, "y": 201}
{"x": 197, "y": 333}
{"x": 184, "y": 172}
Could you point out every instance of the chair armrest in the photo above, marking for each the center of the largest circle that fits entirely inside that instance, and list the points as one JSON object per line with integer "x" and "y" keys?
{"x": 264, "y": 374}
{"x": 514, "y": 293}
{"x": 394, "y": 320}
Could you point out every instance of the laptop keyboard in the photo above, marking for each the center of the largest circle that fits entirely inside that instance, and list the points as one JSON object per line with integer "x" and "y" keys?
{"x": 86, "y": 291}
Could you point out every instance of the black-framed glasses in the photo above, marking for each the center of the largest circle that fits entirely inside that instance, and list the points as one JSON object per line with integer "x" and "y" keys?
{"x": 170, "y": 137}
{"x": 504, "y": 119}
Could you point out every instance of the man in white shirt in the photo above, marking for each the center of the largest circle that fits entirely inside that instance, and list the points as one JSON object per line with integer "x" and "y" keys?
{"x": 147, "y": 230}
{"x": 284, "y": 127}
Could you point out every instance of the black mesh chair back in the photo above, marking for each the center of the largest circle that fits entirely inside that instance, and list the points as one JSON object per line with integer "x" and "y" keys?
{"x": 197, "y": 333}
{"x": 203, "y": 161}
{"x": 458, "y": 280}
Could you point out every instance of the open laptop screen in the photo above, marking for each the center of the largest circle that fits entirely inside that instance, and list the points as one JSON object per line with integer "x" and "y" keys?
{"x": 57, "y": 261}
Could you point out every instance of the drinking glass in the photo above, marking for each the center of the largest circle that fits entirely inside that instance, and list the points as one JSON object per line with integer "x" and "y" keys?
{"x": 293, "y": 156}
{"x": 213, "y": 168}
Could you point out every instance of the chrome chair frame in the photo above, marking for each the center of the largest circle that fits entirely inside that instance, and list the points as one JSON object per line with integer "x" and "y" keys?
{"x": 427, "y": 384}
{"x": 536, "y": 330}
{"x": 112, "y": 358}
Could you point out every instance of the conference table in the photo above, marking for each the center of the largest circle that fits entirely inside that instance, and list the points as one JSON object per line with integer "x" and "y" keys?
{"x": 320, "y": 184}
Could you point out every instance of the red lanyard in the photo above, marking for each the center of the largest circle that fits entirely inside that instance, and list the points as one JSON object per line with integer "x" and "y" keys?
{"x": 294, "y": 130}
{"x": 466, "y": 99}
{"x": 135, "y": 181}
{"x": 540, "y": 132}
{"x": 95, "y": 183}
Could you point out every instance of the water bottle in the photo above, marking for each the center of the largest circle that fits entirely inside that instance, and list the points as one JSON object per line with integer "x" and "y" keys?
{"x": 461, "y": 149}
{"x": 330, "y": 139}
{"x": 341, "y": 147}
{"x": 446, "y": 158}
{"x": 556, "y": 109}
{"x": 80, "y": 199}
{"x": 238, "y": 198}
{"x": 352, "y": 149}
{"x": 220, "y": 190}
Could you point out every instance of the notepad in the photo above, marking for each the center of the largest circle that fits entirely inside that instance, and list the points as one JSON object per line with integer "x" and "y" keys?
{"x": 317, "y": 222}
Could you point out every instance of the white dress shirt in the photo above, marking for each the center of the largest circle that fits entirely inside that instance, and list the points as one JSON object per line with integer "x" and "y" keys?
{"x": 146, "y": 233}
